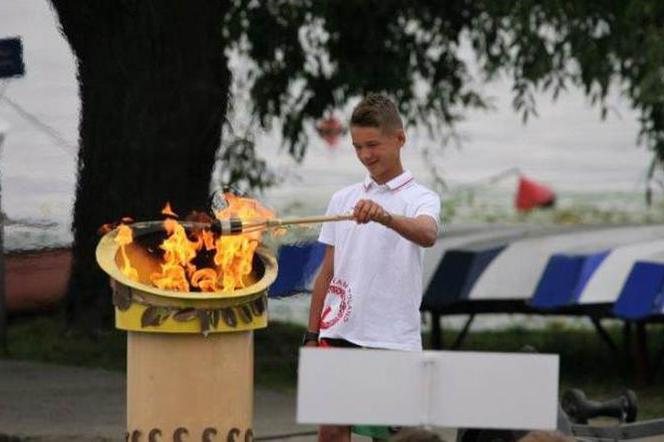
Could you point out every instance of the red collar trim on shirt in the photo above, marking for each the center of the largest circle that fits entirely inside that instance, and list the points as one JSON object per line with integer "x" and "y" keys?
{"x": 403, "y": 184}
{"x": 394, "y": 184}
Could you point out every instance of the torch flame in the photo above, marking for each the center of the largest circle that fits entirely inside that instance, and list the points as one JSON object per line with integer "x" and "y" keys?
{"x": 235, "y": 253}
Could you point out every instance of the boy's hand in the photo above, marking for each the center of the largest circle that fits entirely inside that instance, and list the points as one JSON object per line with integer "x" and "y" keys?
{"x": 368, "y": 210}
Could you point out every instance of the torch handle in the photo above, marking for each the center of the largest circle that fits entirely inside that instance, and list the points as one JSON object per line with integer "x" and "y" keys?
{"x": 235, "y": 226}
{"x": 276, "y": 222}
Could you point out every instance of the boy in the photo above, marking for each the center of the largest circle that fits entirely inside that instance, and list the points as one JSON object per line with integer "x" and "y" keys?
{"x": 369, "y": 288}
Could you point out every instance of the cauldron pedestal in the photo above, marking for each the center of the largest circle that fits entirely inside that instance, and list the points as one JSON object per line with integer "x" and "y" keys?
{"x": 190, "y": 356}
{"x": 190, "y": 383}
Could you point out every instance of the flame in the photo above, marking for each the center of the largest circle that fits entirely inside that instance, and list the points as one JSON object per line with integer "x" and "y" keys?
{"x": 105, "y": 228}
{"x": 207, "y": 238}
{"x": 178, "y": 254}
{"x": 168, "y": 211}
{"x": 235, "y": 253}
{"x": 205, "y": 279}
{"x": 123, "y": 238}
{"x": 231, "y": 257}
{"x": 234, "y": 256}
{"x": 246, "y": 209}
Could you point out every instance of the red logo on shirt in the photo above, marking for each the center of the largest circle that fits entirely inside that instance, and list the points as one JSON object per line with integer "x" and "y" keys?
{"x": 339, "y": 301}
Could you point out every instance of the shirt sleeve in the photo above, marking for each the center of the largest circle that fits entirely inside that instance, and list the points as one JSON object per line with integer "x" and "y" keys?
{"x": 327, "y": 230}
{"x": 429, "y": 204}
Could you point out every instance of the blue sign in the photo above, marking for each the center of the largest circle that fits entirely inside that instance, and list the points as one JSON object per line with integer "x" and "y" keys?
{"x": 11, "y": 58}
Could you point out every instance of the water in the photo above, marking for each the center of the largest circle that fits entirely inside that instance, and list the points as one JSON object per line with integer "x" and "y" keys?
{"x": 568, "y": 147}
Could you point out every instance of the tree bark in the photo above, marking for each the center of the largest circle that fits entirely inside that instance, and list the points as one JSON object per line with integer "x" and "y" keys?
{"x": 153, "y": 82}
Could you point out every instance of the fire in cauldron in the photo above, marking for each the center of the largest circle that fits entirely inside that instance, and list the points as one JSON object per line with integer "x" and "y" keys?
{"x": 193, "y": 256}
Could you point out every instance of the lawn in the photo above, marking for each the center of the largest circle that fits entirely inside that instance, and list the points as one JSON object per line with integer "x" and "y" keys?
{"x": 585, "y": 361}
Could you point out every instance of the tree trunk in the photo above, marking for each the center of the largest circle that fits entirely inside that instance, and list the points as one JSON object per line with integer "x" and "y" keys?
{"x": 154, "y": 83}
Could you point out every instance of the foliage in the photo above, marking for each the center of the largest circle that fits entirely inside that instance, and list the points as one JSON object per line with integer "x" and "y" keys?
{"x": 311, "y": 57}
{"x": 241, "y": 168}
{"x": 595, "y": 45}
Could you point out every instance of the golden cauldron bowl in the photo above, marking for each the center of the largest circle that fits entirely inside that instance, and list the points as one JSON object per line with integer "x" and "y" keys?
{"x": 139, "y": 306}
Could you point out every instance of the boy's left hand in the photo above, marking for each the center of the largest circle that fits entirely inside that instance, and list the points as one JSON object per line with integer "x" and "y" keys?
{"x": 368, "y": 210}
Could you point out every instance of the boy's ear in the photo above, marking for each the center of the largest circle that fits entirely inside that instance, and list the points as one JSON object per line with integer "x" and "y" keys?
{"x": 401, "y": 137}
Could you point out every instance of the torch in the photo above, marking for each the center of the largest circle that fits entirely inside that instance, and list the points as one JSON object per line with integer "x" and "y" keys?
{"x": 236, "y": 226}
{"x": 223, "y": 203}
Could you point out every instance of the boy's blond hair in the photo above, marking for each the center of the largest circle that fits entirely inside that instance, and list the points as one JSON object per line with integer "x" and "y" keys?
{"x": 377, "y": 111}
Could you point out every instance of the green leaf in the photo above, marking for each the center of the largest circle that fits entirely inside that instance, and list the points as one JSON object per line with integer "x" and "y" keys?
{"x": 228, "y": 314}
{"x": 214, "y": 318}
{"x": 185, "y": 315}
{"x": 204, "y": 320}
{"x": 154, "y": 316}
{"x": 258, "y": 306}
{"x": 245, "y": 313}
{"x": 121, "y": 296}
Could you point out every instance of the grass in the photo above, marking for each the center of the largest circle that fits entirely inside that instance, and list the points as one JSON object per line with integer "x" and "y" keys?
{"x": 487, "y": 206}
{"x": 586, "y": 362}
{"x": 46, "y": 339}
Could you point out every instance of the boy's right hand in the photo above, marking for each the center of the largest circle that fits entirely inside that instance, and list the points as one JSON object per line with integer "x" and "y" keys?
{"x": 368, "y": 210}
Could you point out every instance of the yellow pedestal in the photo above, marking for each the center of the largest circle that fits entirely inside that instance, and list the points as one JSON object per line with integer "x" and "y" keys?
{"x": 189, "y": 387}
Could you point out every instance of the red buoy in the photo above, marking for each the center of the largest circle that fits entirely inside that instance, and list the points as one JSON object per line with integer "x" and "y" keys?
{"x": 532, "y": 194}
{"x": 330, "y": 129}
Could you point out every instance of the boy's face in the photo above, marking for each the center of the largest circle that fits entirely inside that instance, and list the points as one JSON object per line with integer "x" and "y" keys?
{"x": 379, "y": 151}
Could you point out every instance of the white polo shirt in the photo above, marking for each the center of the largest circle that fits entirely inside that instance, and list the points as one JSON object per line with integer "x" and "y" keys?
{"x": 376, "y": 290}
